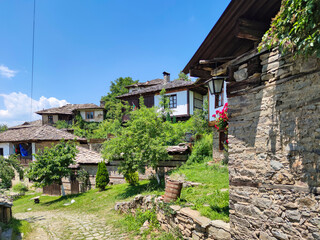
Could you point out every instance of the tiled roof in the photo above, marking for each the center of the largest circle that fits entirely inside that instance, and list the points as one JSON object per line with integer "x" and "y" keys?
{"x": 69, "y": 108}
{"x": 148, "y": 83}
{"x": 36, "y": 133}
{"x": 159, "y": 87}
{"x": 28, "y": 124}
{"x": 86, "y": 156}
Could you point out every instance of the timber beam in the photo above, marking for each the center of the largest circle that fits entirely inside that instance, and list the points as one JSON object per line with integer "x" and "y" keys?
{"x": 250, "y": 30}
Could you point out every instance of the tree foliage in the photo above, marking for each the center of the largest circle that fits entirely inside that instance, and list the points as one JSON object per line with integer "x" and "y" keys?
{"x": 3, "y": 127}
{"x": 7, "y": 167}
{"x": 52, "y": 164}
{"x": 142, "y": 142}
{"x": 114, "y": 107}
{"x": 62, "y": 124}
{"x": 102, "y": 177}
{"x": 296, "y": 28}
{"x": 183, "y": 76}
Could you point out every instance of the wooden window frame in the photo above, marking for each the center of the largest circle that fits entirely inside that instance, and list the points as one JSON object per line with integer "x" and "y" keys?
{"x": 50, "y": 119}
{"x": 87, "y": 115}
{"x": 217, "y": 97}
{"x": 197, "y": 99}
{"x": 174, "y": 100}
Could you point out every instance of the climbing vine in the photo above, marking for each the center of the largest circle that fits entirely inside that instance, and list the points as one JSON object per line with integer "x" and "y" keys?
{"x": 296, "y": 28}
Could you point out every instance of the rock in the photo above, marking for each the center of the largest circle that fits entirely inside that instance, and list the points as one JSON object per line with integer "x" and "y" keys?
{"x": 144, "y": 227}
{"x": 195, "y": 215}
{"x": 219, "y": 230}
{"x": 264, "y": 236}
{"x": 276, "y": 165}
{"x": 241, "y": 74}
{"x": 293, "y": 215}
{"x": 279, "y": 235}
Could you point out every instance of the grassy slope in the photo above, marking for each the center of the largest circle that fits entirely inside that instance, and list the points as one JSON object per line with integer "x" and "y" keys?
{"x": 207, "y": 199}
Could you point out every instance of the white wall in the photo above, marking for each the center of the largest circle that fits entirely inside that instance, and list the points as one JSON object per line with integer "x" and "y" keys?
{"x": 182, "y": 103}
{"x": 98, "y": 115}
{"x": 6, "y": 149}
{"x": 212, "y": 109}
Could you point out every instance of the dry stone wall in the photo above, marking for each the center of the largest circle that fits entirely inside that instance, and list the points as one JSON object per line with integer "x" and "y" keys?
{"x": 172, "y": 218}
{"x": 274, "y": 151}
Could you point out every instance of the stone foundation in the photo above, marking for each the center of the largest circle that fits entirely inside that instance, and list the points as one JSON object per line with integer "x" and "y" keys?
{"x": 172, "y": 218}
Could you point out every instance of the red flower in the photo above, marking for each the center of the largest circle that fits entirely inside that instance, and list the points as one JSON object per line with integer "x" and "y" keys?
{"x": 214, "y": 115}
{"x": 227, "y": 141}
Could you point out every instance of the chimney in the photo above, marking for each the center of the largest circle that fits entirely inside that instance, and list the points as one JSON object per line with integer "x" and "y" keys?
{"x": 166, "y": 77}
{"x": 102, "y": 103}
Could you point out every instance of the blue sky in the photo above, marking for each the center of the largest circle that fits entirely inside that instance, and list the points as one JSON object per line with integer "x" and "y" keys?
{"x": 82, "y": 45}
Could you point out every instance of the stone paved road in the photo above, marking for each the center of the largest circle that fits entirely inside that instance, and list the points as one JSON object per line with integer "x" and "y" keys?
{"x": 52, "y": 225}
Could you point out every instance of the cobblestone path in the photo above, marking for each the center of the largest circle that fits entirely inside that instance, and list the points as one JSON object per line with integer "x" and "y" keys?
{"x": 54, "y": 225}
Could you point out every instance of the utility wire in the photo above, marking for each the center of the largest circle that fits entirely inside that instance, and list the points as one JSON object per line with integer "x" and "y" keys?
{"x": 32, "y": 67}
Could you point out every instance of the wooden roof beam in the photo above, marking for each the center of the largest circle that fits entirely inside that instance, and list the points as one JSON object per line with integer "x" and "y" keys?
{"x": 250, "y": 30}
{"x": 200, "y": 73}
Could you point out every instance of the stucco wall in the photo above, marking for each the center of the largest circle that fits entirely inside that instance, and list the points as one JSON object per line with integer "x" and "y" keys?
{"x": 6, "y": 149}
{"x": 212, "y": 109}
{"x": 182, "y": 103}
{"x": 274, "y": 152}
{"x": 98, "y": 115}
{"x": 45, "y": 119}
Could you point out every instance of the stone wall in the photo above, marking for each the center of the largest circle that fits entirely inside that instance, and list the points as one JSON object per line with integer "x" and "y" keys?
{"x": 274, "y": 150}
{"x": 172, "y": 218}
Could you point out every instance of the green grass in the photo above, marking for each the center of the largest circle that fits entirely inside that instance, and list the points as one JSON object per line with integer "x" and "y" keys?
{"x": 18, "y": 226}
{"x": 93, "y": 201}
{"x": 207, "y": 198}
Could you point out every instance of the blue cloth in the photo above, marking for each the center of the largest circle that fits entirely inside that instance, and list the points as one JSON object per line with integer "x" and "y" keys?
{"x": 23, "y": 152}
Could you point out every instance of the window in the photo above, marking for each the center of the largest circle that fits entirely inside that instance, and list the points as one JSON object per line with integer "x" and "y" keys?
{"x": 172, "y": 101}
{"x": 50, "y": 119}
{"x": 1, "y": 151}
{"x": 218, "y": 100}
{"x": 89, "y": 115}
{"x": 198, "y": 101}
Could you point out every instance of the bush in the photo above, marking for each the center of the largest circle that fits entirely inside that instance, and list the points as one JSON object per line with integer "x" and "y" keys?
{"x": 20, "y": 188}
{"x": 102, "y": 177}
{"x": 202, "y": 150}
{"x": 132, "y": 178}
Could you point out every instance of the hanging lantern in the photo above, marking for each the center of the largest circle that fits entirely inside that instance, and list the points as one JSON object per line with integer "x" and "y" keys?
{"x": 216, "y": 84}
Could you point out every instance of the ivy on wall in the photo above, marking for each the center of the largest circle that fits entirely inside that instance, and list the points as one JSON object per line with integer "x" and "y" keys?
{"x": 296, "y": 28}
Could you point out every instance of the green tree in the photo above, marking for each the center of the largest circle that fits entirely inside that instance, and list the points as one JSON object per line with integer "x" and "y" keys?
{"x": 183, "y": 76}
{"x": 114, "y": 107}
{"x": 164, "y": 105}
{"x": 108, "y": 126}
{"x": 142, "y": 142}
{"x": 62, "y": 124}
{"x": 295, "y": 28}
{"x": 3, "y": 127}
{"x": 102, "y": 177}
{"x": 7, "y": 167}
{"x": 52, "y": 164}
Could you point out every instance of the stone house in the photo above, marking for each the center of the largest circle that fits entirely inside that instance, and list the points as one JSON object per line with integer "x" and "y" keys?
{"x": 89, "y": 113}
{"x": 233, "y": 35}
{"x": 184, "y": 96}
{"x": 274, "y": 112}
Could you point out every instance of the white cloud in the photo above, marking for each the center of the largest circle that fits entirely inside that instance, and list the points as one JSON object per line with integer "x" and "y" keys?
{"x": 17, "y": 107}
{"x": 6, "y": 72}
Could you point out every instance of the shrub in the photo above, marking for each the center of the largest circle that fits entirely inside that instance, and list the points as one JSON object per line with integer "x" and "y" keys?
{"x": 102, "y": 177}
{"x": 132, "y": 178}
{"x": 20, "y": 188}
{"x": 202, "y": 149}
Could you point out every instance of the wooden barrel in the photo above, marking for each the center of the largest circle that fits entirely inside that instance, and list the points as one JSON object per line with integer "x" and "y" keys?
{"x": 173, "y": 191}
